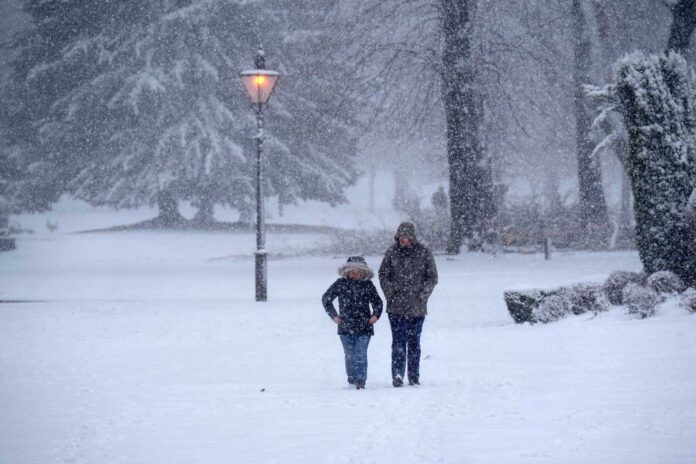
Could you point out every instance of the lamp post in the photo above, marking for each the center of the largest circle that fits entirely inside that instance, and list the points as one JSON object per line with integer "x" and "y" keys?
{"x": 259, "y": 84}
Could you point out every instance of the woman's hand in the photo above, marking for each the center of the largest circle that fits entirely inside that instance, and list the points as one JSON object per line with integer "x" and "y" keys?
{"x": 337, "y": 319}
{"x": 373, "y": 320}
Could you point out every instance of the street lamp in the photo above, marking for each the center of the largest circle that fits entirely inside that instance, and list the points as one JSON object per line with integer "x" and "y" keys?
{"x": 259, "y": 84}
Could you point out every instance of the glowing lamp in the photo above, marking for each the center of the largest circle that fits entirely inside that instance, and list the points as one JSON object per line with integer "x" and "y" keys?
{"x": 259, "y": 84}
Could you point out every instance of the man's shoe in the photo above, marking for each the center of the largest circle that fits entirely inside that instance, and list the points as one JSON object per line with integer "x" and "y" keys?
{"x": 359, "y": 385}
{"x": 413, "y": 382}
{"x": 398, "y": 381}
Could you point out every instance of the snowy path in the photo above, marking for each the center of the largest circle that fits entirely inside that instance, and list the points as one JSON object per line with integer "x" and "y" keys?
{"x": 150, "y": 350}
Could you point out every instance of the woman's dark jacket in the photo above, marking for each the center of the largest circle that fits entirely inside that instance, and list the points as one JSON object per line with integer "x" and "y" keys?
{"x": 354, "y": 299}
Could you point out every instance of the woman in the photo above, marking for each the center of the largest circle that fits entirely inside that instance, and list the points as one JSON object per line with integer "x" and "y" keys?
{"x": 356, "y": 293}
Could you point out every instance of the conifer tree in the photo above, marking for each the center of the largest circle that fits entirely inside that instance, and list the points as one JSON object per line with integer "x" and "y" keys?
{"x": 131, "y": 103}
{"x": 657, "y": 97}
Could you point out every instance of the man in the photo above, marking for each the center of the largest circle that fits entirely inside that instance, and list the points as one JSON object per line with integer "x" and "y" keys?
{"x": 407, "y": 276}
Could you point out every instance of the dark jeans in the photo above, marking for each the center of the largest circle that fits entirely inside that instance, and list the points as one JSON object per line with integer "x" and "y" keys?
{"x": 355, "y": 349}
{"x": 406, "y": 333}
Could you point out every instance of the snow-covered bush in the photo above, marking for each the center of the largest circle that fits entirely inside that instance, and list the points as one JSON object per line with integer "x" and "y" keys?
{"x": 666, "y": 282}
{"x": 640, "y": 301}
{"x": 688, "y": 300}
{"x": 617, "y": 281}
{"x": 587, "y": 298}
{"x": 521, "y": 304}
{"x": 520, "y": 224}
{"x": 550, "y": 305}
{"x": 552, "y": 308}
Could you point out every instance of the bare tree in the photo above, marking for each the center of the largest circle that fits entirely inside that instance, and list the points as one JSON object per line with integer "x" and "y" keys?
{"x": 593, "y": 208}
{"x": 472, "y": 203}
{"x": 444, "y": 66}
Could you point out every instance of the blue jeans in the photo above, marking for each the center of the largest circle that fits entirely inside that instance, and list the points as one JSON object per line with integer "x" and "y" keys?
{"x": 406, "y": 333}
{"x": 355, "y": 349}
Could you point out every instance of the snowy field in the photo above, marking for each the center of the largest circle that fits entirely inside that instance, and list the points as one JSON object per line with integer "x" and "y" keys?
{"x": 149, "y": 348}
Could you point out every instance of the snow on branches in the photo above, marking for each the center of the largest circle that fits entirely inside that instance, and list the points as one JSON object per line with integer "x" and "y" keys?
{"x": 656, "y": 94}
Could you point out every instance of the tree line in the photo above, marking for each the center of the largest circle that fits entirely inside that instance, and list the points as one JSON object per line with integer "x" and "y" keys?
{"x": 125, "y": 104}
{"x": 131, "y": 103}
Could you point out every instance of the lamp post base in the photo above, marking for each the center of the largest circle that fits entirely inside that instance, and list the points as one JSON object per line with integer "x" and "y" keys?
{"x": 261, "y": 273}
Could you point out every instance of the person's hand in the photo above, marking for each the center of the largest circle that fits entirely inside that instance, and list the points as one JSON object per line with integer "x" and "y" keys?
{"x": 373, "y": 320}
{"x": 337, "y": 319}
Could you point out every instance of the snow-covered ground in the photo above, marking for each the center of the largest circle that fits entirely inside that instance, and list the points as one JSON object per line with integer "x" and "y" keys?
{"x": 149, "y": 348}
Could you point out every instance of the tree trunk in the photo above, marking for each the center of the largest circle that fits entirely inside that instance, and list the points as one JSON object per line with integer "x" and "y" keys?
{"x": 405, "y": 199}
{"x": 593, "y": 209}
{"x": 246, "y": 215}
{"x": 205, "y": 215}
{"x": 471, "y": 184}
{"x": 690, "y": 217}
{"x": 626, "y": 233}
{"x": 683, "y": 23}
{"x": 169, "y": 215}
{"x": 373, "y": 181}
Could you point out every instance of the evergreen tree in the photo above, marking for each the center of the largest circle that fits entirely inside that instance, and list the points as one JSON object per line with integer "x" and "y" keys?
{"x": 657, "y": 97}
{"x": 313, "y": 127}
{"x": 135, "y": 103}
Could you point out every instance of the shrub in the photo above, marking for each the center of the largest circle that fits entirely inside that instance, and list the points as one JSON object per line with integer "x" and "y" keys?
{"x": 525, "y": 224}
{"x": 666, "y": 282}
{"x": 587, "y": 297}
{"x": 640, "y": 301}
{"x": 617, "y": 281}
{"x": 550, "y": 305}
{"x": 522, "y": 304}
{"x": 551, "y": 309}
{"x": 688, "y": 300}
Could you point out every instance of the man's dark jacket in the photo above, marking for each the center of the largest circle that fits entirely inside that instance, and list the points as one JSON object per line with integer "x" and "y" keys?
{"x": 407, "y": 275}
{"x": 354, "y": 299}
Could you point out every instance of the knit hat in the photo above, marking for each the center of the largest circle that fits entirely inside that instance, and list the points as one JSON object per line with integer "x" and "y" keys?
{"x": 356, "y": 263}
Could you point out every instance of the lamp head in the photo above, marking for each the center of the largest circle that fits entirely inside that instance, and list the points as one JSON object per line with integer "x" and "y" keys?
{"x": 260, "y": 82}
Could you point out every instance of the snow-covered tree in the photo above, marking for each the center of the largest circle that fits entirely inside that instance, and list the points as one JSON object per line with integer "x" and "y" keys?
{"x": 621, "y": 26}
{"x": 592, "y": 204}
{"x": 441, "y": 70}
{"x": 657, "y": 96}
{"x": 313, "y": 122}
{"x": 683, "y": 24}
{"x": 11, "y": 181}
{"x": 472, "y": 193}
{"x": 140, "y": 103}
{"x": 20, "y": 185}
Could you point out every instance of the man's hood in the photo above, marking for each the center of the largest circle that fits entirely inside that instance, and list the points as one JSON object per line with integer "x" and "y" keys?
{"x": 408, "y": 230}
